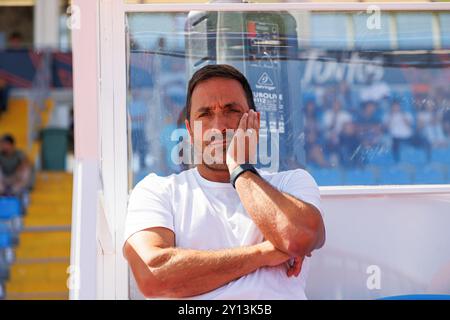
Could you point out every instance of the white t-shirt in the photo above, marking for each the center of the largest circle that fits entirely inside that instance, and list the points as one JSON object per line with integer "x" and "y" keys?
{"x": 341, "y": 118}
{"x": 207, "y": 215}
{"x": 400, "y": 124}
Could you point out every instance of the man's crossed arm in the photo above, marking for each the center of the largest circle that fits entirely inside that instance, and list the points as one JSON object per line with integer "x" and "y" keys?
{"x": 293, "y": 226}
{"x": 161, "y": 270}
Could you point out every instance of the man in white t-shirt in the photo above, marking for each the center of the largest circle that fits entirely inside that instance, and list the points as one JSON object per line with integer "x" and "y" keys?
{"x": 223, "y": 230}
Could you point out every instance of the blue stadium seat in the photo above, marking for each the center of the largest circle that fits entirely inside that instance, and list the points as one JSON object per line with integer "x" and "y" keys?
{"x": 6, "y": 244}
{"x": 413, "y": 156}
{"x": 11, "y": 215}
{"x": 441, "y": 155}
{"x": 10, "y": 207}
{"x": 394, "y": 175}
{"x": 429, "y": 175}
{"x": 5, "y": 240}
{"x": 326, "y": 177}
{"x": 359, "y": 177}
{"x": 383, "y": 159}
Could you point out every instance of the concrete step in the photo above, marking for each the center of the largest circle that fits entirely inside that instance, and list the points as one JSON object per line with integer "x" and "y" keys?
{"x": 38, "y": 277}
{"x": 59, "y": 198}
{"x": 42, "y": 245}
{"x": 48, "y": 220}
{"x": 63, "y": 295}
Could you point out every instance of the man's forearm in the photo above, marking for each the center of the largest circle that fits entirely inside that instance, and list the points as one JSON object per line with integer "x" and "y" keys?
{"x": 177, "y": 272}
{"x": 290, "y": 224}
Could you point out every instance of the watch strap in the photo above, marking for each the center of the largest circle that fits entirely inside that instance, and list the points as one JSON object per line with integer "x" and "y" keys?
{"x": 240, "y": 169}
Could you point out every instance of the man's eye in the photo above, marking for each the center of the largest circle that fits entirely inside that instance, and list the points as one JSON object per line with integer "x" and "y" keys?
{"x": 204, "y": 114}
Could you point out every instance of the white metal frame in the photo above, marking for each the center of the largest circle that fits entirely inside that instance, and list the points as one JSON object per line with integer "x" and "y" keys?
{"x": 307, "y": 6}
{"x": 114, "y": 148}
{"x": 112, "y": 270}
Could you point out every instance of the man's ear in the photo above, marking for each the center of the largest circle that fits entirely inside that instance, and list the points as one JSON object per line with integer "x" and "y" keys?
{"x": 188, "y": 127}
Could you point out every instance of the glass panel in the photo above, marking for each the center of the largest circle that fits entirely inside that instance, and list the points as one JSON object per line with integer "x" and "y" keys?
{"x": 372, "y": 34}
{"x": 340, "y": 102}
{"x": 372, "y": 115}
{"x": 415, "y": 31}
{"x": 444, "y": 19}
{"x": 329, "y": 30}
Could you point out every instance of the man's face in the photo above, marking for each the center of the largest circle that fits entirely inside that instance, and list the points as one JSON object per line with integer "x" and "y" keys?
{"x": 336, "y": 106}
{"x": 6, "y": 147}
{"x": 396, "y": 107}
{"x": 217, "y": 104}
{"x": 370, "y": 109}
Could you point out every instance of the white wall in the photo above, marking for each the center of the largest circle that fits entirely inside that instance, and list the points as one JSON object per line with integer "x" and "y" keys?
{"x": 407, "y": 236}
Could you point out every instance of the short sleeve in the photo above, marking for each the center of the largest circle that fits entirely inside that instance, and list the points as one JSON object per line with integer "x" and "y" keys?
{"x": 149, "y": 206}
{"x": 300, "y": 184}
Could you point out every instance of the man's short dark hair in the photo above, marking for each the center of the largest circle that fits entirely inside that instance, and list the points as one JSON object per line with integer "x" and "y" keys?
{"x": 218, "y": 71}
{"x": 8, "y": 138}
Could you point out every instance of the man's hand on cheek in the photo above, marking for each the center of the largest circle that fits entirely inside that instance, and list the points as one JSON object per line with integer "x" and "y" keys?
{"x": 243, "y": 146}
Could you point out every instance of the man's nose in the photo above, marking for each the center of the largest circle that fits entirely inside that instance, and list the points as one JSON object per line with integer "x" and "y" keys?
{"x": 220, "y": 123}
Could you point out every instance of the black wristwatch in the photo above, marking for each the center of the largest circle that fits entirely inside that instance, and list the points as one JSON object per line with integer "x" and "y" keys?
{"x": 240, "y": 169}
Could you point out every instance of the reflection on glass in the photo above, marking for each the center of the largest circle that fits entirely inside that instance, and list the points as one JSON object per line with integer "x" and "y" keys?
{"x": 354, "y": 103}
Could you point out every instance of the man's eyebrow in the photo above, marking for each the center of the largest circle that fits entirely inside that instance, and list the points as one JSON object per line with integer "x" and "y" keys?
{"x": 232, "y": 104}
{"x": 227, "y": 106}
{"x": 202, "y": 109}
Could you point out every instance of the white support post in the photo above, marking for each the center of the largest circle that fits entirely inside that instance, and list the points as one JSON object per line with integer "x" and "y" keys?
{"x": 46, "y": 24}
{"x": 84, "y": 245}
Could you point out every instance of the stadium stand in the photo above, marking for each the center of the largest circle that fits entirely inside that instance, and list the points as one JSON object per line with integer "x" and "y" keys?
{"x": 35, "y": 234}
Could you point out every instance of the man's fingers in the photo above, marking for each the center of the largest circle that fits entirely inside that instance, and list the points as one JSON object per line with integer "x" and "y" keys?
{"x": 289, "y": 270}
{"x": 252, "y": 120}
{"x": 298, "y": 262}
{"x": 296, "y": 268}
{"x": 258, "y": 120}
{"x": 243, "y": 122}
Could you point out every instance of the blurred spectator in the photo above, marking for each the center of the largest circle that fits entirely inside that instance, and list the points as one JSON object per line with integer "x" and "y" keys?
{"x": 446, "y": 123}
{"x": 332, "y": 148}
{"x": 350, "y": 146}
{"x": 400, "y": 125}
{"x": 15, "y": 41}
{"x": 370, "y": 127}
{"x": 334, "y": 119}
{"x": 4, "y": 90}
{"x": 311, "y": 116}
{"x": 314, "y": 152}
{"x": 15, "y": 169}
{"x": 434, "y": 133}
{"x": 138, "y": 111}
{"x": 425, "y": 114}
{"x": 429, "y": 124}
{"x": 344, "y": 95}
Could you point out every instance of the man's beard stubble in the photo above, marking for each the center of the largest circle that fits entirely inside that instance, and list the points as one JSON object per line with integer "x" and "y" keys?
{"x": 216, "y": 164}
